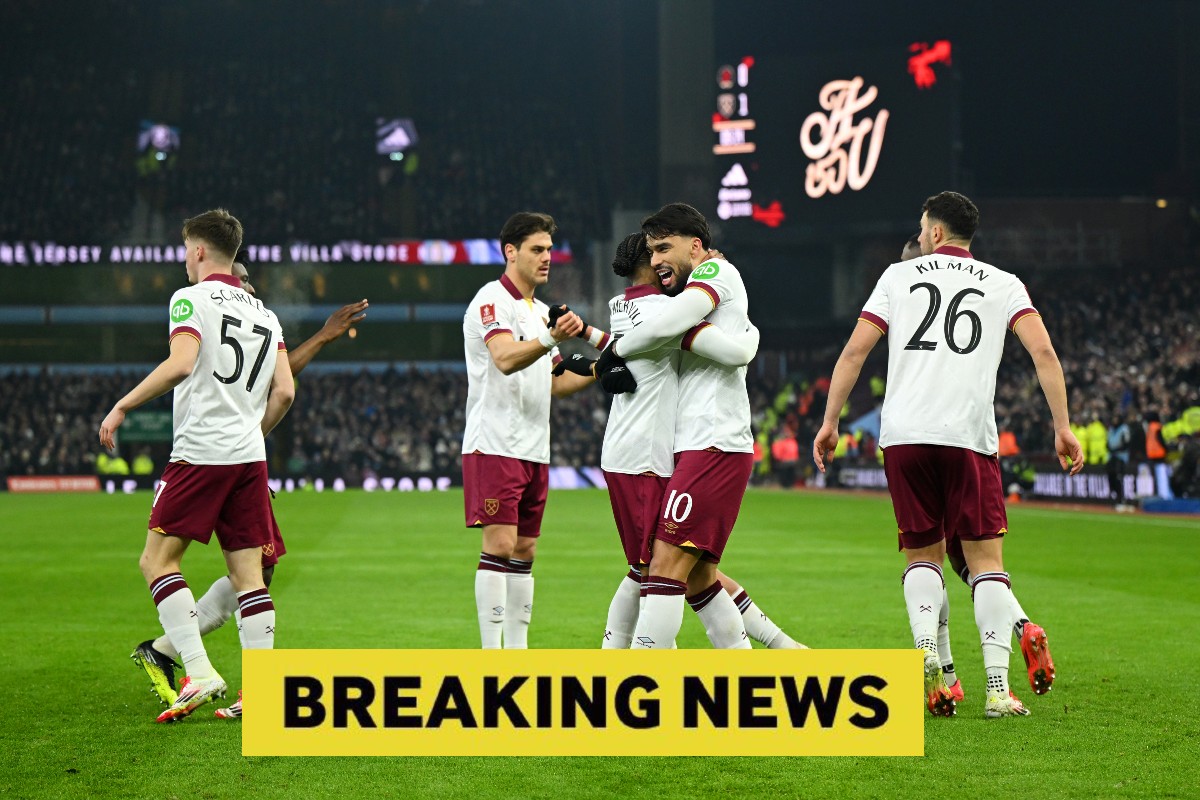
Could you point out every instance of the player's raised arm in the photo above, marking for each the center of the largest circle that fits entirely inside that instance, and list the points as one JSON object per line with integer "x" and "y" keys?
{"x": 589, "y": 333}
{"x": 730, "y": 349}
{"x": 680, "y": 315}
{"x": 334, "y": 328}
{"x": 162, "y": 379}
{"x": 1033, "y": 335}
{"x": 511, "y": 356}
{"x": 845, "y": 375}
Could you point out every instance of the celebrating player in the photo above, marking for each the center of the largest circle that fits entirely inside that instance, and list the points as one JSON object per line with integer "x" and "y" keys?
{"x": 231, "y": 390}
{"x": 713, "y": 444}
{"x": 638, "y": 455}
{"x": 1032, "y": 636}
{"x": 945, "y": 316}
{"x": 510, "y": 352}
{"x": 157, "y": 657}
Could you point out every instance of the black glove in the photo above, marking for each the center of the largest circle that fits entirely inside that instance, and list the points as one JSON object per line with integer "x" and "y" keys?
{"x": 555, "y": 313}
{"x": 618, "y": 380}
{"x": 578, "y": 363}
{"x": 559, "y": 311}
{"x": 609, "y": 359}
{"x": 614, "y": 375}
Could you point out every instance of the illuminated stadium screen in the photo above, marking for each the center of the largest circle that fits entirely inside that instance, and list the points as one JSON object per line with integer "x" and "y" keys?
{"x": 830, "y": 141}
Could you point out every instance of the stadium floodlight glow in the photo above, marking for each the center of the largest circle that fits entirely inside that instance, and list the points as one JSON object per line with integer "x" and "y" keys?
{"x": 394, "y": 136}
{"x": 162, "y": 139}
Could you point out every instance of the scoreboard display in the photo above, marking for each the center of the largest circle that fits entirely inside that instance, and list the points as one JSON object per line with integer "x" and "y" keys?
{"x": 831, "y": 142}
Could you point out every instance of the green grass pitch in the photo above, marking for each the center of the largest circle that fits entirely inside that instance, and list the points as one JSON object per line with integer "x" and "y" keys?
{"x": 1119, "y": 596}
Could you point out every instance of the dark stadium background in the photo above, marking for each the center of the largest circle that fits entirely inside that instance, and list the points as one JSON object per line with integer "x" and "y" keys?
{"x": 1075, "y": 128}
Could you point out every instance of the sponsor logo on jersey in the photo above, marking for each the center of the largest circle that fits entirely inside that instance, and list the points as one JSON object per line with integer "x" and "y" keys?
{"x": 487, "y": 313}
{"x": 708, "y": 269}
{"x": 182, "y": 310}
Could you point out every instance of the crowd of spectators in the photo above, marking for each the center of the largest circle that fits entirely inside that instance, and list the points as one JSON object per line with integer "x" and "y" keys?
{"x": 1129, "y": 345}
{"x": 284, "y": 138}
{"x": 49, "y": 421}
{"x": 374, "y": 424}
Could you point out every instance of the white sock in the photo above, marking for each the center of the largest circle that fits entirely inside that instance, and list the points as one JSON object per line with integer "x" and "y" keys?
{"x": 662, "y": 615}
{"x": 993, "y": 616}
{"x": 623, "y": 613}
{"x": 943, "y": 641}
{"x": 519, "y": 605}
{"x": 923, "y": 592}
{"x": 1019, "y": 617}
{"x": 214, "y": 609}
{"x": 491, "y": 594}
{"x": 256, "y": 625}
{"x": 721, "y": 618}
{"x": 759, "y": 626}
{"x": 177, "y": 615}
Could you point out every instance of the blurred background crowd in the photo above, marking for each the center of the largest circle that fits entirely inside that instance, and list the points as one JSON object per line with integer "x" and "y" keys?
{"x": 525, "y": 104}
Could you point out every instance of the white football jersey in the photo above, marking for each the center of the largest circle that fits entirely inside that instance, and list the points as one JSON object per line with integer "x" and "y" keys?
{"x": 640, "y": 434}
{"x": 219, "y": 407}
{"x": 507, "y": 415}
{"x": 945, "y": 317}
{"x": 714, "y": 407}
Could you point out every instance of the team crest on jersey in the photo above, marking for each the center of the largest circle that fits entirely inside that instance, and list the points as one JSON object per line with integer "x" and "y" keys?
{"x": 491, "y": 506}
{"x": 181, "y": 311}
{"x": 708, "y": 269}
{"x": 268, "y": 549}
{"x": 487, "y": 313}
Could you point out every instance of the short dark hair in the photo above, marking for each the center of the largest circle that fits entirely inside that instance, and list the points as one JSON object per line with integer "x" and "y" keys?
{"x": 955, "y": 211}
{"x": 522, "y": 225}
{"x": 243, "y": 258}
{"x": 677, "y": 219}
{"x": 217, "y": 228}
{"x": 631, "y": 252}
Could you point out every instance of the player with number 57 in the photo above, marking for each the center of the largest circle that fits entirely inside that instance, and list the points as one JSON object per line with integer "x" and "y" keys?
{"x": 231, "y": 388}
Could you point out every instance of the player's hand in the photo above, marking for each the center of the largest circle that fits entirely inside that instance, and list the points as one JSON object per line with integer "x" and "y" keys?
{"x": 567, "y": 325}
{"x": 1070, "y": 454}
{"x": 618, "y": 380}
{"x": 824, "y": 444}
{"x": 108, "y": 429}
{"x": 608, "y": 359}
{"x": 715, "y": 253}
{"x": 343, "y": 319}
{"x": 578, "y": 364}
{"x": 556, "y": 312}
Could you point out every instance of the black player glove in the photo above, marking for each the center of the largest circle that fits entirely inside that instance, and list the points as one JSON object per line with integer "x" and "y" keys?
{"x": 578, "y": 363}
{"x": 562, "y": 310}
{"x": 618, "y": 380}
{"x": 555, "y": 313}
{"x": 614, "y": 375}
{"x": 609, "y": 359}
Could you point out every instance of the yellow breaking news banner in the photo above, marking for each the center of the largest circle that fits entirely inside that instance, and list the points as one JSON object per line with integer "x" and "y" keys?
{"x": 582, "y": 703}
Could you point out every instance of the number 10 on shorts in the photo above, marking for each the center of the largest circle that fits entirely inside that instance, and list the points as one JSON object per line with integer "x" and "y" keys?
{"x": 675, "y": 509}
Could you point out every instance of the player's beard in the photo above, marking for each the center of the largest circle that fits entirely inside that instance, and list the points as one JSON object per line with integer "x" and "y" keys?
{"x": 679, "y": 276}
